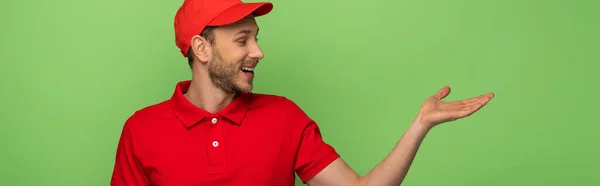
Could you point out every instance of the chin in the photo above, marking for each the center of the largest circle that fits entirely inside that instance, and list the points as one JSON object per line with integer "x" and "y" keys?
{"x": 246, "y": 88}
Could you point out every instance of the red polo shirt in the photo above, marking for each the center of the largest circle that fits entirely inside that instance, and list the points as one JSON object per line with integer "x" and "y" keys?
{"x": 257, "y": 140}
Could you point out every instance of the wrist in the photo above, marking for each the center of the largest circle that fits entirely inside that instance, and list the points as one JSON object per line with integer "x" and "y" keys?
{"x": 421, "y": 127}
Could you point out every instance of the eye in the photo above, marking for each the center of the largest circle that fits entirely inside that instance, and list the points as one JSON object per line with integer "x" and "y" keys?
{"x": 242, "y": 41}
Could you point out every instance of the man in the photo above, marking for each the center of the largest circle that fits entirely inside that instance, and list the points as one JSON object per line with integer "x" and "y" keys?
{"x": 215, "y": 131}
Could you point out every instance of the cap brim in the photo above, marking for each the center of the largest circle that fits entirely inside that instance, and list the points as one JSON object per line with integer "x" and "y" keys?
{"x": 240, "y": 11}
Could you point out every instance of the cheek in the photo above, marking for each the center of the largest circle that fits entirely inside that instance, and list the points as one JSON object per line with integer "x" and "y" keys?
{"x": 236, "y": 53}
{"x": 239, "y": 56}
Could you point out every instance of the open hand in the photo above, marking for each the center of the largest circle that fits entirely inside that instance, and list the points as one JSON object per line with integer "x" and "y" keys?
{"x": 435, "y": 111}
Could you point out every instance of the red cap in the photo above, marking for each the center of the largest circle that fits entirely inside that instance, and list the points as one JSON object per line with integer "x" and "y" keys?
{"x": 194, "y": 15}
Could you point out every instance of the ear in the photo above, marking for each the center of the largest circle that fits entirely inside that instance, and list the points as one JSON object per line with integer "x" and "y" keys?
{"x": 201, "y": 48}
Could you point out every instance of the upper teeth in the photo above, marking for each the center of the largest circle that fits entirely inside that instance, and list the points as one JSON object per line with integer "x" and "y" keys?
{"x": 247, "y": 69}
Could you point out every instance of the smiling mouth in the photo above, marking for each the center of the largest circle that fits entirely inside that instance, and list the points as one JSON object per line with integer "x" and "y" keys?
{"x": 249, "y": 70}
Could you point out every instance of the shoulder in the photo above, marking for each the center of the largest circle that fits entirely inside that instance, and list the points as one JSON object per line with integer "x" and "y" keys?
{"x": 281, "y": 107}
{"x": 271, "y": 99}
{"x": 144, "y": 115}
{"x": 278, "y": 102}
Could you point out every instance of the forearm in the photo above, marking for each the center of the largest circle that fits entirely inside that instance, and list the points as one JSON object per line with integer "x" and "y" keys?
{"x": 393, "y": 169}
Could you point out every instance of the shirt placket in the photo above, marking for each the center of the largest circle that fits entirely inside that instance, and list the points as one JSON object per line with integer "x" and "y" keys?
{"x": 215, "y": 145}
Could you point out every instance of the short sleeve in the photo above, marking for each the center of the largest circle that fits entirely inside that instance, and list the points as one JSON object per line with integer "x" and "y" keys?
{"x": 127, "y": 170}
{"x": 313, "y": 154}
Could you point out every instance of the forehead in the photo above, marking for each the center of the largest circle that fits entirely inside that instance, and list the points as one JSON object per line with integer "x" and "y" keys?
{"x": 247, "y": 25}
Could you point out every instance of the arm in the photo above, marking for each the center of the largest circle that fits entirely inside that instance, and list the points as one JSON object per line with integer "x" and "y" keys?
{"x": 393, "y": 169}
{"x": 390, "y": 171}
{"x": 127, "y": 171}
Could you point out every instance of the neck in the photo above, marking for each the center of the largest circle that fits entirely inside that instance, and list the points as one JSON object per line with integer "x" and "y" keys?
{"x": 203, "y": 94}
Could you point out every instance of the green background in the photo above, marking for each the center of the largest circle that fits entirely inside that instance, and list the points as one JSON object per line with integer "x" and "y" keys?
{"x": 73, "y": 71}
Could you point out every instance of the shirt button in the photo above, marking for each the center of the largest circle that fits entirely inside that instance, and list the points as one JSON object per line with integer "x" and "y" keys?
{"x": 214, "y": 121}
{"x": 215, "y": 143}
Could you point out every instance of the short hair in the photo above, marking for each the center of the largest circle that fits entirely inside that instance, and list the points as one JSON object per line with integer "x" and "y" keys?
{"x": 209, "y": 35}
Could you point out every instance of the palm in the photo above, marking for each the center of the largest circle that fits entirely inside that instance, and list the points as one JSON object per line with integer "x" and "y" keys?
{"x": 435, "y": 111}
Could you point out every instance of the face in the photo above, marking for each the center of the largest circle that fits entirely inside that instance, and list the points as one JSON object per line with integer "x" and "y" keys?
{"x": 234, "y": 56}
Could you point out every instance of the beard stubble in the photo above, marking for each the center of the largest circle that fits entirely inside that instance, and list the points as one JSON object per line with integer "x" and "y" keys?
{"x": 223, "y": 74}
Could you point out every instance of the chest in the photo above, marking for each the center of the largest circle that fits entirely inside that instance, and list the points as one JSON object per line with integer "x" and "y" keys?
{"x": 218, "y": 152}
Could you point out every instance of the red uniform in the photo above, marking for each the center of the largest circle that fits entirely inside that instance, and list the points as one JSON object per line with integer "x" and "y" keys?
{"x": 257, "y": 140}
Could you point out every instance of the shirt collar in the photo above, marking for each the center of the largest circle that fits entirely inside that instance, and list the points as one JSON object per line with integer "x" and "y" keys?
{"x": 189, "y": 114}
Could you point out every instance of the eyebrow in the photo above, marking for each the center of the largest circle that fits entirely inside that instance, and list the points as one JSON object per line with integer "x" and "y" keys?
{"x": 246, "y": 31}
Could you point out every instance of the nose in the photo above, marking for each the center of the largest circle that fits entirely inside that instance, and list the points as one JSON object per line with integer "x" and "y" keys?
{"x": 255, "y": 52}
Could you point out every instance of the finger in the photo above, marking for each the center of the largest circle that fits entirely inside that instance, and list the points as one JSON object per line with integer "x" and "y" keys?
{"x": 442, "y": 93}
{"x": 459, "y": 105}
{"x": 467, "y": 111}
{"x": 471, "y": 109}
{"x": 482, "y": 101}
{"x": 478, "y": 98}
{"x": 464, "y": 107}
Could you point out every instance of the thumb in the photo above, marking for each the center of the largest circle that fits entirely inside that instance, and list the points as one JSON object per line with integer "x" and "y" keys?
{"x": 442, "y": 93}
